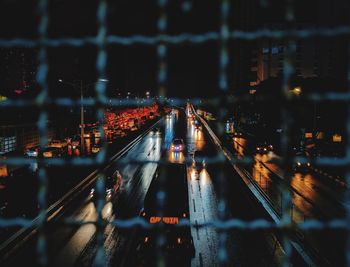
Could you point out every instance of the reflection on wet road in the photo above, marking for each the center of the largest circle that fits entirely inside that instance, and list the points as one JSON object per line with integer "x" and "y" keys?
{"x": 78, "y": 245}
{"x": 202, "y": 200}
{"x": 311, "y": 197}
{"x": 136, "y": 179}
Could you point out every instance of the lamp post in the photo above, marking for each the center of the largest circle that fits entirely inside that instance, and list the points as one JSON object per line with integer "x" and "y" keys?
{"x": 82, "y": 124}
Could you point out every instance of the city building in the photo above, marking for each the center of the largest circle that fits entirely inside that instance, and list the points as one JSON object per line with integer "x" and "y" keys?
{"x": 256, "y": 60}
{"x": 313, "y": 57}
{"x": 16, "y": 138}
{"x": 17, "y": 70}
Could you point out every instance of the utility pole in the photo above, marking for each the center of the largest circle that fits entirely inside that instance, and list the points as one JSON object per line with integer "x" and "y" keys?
{"x": 82, "y": 124}
{"x": 82, "y": 143}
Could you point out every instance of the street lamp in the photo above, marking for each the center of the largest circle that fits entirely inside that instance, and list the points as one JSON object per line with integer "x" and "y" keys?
{"x": 297, "y": 91}
{"x": 82, "y": 126}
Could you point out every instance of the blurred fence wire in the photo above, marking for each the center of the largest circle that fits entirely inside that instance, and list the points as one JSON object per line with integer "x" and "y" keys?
{"x": 161, "y": 41}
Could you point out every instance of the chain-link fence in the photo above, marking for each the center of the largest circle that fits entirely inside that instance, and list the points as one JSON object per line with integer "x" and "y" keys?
{"x": 224, "y": 36}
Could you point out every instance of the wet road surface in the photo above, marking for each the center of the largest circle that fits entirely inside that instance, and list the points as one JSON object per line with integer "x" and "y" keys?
{"x": 212, "y": 191}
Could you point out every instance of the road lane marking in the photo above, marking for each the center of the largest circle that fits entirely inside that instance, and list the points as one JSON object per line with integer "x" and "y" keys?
{"x": 197, "y": 230}
{"x": 200, "y": 260}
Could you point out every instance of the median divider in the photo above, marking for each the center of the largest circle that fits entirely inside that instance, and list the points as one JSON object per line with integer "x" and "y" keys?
{"x": 21, "y": 236}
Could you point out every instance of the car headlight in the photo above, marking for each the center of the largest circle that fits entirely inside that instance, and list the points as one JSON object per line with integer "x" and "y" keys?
{"x": 92, "y": 192}
{"x": 298, "y": 163}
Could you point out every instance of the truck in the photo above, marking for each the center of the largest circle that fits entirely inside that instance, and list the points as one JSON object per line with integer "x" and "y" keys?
{"x": 177, "y": 242}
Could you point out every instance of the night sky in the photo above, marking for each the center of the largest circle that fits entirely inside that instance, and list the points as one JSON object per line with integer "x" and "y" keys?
{"x": 192, "y": 69}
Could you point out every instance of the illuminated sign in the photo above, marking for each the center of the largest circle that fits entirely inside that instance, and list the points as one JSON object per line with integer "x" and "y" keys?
{"x": 166, "y": 220}
{"x": 337, "y": 138}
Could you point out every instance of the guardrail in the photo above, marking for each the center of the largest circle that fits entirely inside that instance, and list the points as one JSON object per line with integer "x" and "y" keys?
{"x": 324, "y": 214}
{"x": 24, "y": 234}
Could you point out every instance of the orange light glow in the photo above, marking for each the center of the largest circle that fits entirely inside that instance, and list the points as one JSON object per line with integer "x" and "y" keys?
{"x": 199, "y": 141}
{"x": 166, "y": 220}
{"x": 176, "y": 157}
{"x": 154, "y": 220}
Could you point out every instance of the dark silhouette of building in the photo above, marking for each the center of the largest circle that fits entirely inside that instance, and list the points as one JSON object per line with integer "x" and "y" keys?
{"x": 258, "y": 60}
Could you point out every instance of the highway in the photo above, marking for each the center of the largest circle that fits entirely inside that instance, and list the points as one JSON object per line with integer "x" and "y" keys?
{"x": 210, "y": 188}
{"x": 313, "y": 197}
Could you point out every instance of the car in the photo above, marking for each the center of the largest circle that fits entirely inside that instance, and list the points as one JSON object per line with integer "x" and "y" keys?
{"x": 119, "y": 133}
{"x": 155, "y": 131}
{"x": 197, "y": 125}
{"x": 75, "y": 144}
{"x": 300, "y": 165}
{"x": 57, "y": 143}
{"x": 51, "y": 152}
{"x": 32, "y": 152}
{"x": 198, "y": 159}
{"x": 177, "y": 239}
{"x": 112, "y": 183}
{"x": 237, "y": 134}
{"x": 263, "y": 148}
{"x": 95, "y": 149}
{"x": 133, "y": 128}
{"x": 177, "y": 145}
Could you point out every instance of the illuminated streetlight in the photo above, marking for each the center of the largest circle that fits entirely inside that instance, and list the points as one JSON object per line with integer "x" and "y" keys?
{"x": 297, "y": 90}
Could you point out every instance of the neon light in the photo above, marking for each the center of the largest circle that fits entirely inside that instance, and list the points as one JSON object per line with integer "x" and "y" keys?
{"x": 166, "y": 220}
{"x": 154, "y": 219}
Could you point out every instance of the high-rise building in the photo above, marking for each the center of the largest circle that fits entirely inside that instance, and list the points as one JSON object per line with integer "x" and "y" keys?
{"x": 17, "y": 70}
{"x": 314, "y": 57}
{"x": 257, "y": 60}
